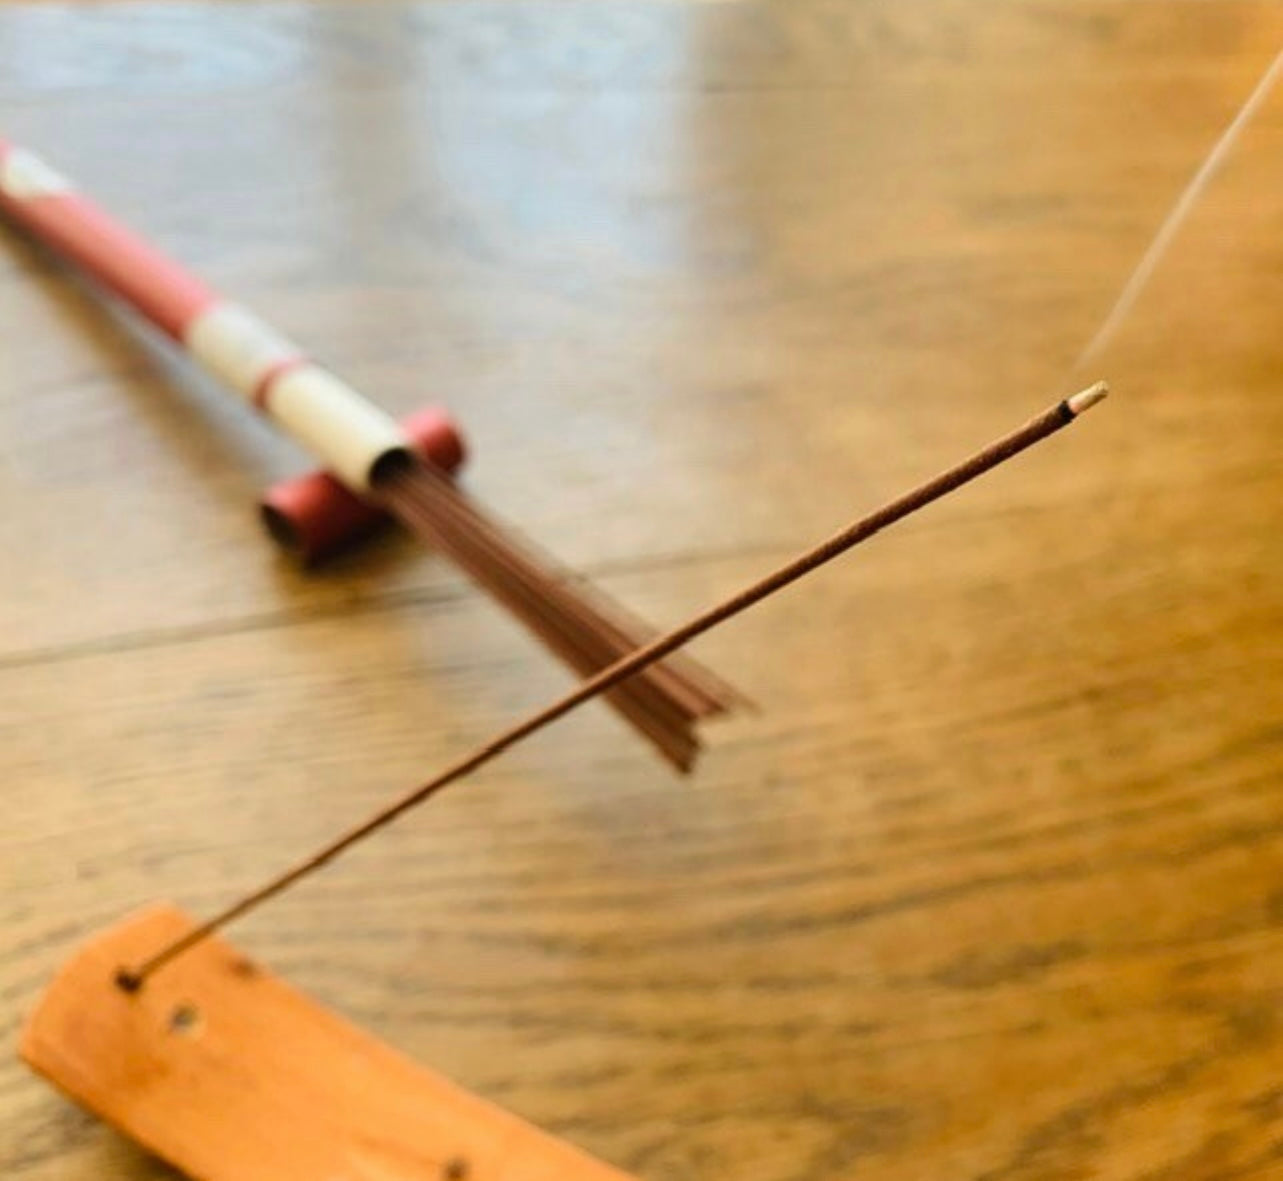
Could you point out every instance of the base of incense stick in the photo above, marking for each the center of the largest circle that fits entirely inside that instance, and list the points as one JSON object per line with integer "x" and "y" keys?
{"x": 227, "y": 1073}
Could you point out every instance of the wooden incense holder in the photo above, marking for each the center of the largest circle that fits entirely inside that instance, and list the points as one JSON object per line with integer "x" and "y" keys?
{"x": 229, "y": 1074}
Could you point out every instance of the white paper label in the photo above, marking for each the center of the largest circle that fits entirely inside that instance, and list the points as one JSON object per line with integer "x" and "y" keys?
{"x": 237, "y": 347}
{"x": 338, "y": 426}
{"x": 24, "y": 176}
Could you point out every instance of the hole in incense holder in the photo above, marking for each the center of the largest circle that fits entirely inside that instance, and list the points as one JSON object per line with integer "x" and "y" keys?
{"x": 184, "y": 1020}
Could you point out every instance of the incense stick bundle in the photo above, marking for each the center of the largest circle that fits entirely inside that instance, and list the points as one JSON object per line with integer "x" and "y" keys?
{"x": 368, "y": 452}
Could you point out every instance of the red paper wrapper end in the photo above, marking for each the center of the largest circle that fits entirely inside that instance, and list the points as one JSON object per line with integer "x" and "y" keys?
{"x": 314, "y": 516}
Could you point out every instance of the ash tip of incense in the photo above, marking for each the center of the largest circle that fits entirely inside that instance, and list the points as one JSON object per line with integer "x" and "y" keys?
{"x": 1081, "y": 402}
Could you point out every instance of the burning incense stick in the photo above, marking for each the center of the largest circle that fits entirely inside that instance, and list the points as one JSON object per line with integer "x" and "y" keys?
{"x": 368, "y": 452}
{"x": 1034, "y": 431}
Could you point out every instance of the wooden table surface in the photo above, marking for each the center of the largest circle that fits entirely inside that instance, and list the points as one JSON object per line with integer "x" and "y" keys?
{"x": 993, "y": 885}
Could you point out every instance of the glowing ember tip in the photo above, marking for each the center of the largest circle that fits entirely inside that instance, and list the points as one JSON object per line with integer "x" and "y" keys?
{"x": 1084, "y": 401}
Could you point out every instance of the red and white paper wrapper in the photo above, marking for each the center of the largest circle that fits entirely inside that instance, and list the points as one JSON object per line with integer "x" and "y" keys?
{"x": 342, "y": 429}
{"x": 314, "y": 516}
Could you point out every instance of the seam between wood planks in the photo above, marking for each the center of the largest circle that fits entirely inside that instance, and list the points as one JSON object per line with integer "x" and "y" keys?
{"x": 378, "y": 603}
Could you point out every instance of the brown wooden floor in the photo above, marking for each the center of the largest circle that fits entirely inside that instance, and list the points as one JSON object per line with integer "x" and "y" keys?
{"x": 993, "y": 887}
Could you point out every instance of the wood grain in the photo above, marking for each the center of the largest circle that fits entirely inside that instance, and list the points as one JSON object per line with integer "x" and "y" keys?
{"x": 991, "y": 888}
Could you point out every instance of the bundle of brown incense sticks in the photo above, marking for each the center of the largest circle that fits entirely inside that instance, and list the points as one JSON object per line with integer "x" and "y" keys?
{"x": 584, "y": 628}
{"x": 371, "y": 460}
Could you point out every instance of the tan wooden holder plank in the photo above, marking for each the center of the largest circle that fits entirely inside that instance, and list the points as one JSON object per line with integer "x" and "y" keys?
{"x": 229, "y": 1074}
